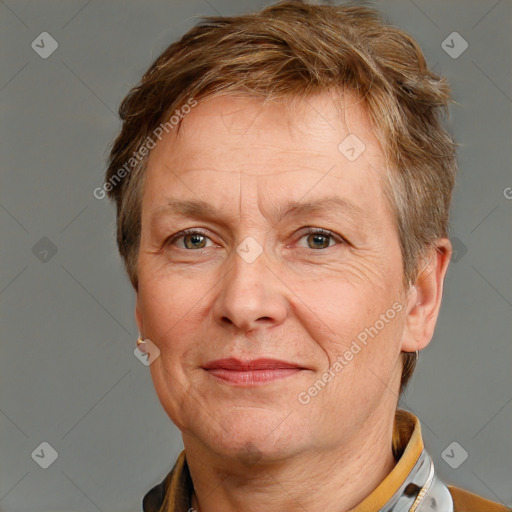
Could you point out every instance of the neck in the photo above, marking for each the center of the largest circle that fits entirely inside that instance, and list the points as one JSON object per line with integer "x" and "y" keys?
{"x": 329, "y": 480}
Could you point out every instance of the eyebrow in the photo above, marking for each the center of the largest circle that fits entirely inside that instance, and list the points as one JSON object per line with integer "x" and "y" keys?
{"x": 202, "y": 209}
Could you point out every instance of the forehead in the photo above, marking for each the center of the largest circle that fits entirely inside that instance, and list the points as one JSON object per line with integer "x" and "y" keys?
{"x": 294, "y": 148}
{"x": 302, "y": 125}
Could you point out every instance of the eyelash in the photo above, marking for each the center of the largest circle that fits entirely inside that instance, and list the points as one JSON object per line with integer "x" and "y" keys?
{"x": 310, "y": 231}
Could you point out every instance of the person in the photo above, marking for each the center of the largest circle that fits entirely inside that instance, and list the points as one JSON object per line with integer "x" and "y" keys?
{"x": 283, "y": 182}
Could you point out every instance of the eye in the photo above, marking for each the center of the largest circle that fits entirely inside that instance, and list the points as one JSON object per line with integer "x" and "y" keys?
{"x": 192, "y": 239}
{"x": 317, "y": 238}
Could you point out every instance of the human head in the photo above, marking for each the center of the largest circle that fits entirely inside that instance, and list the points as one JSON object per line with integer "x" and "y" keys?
{"x": 293, "y": 49}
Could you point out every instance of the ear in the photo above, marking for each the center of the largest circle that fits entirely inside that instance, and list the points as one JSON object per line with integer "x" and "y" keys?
{"x": 424, "y": 298}
{"x": 138, "y": 317}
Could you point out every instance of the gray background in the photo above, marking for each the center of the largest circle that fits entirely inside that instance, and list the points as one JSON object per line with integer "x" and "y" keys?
{"x": 68, "y": 375}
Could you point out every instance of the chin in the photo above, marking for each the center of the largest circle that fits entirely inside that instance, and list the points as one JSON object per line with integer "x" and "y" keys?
{"x": 254, "y": 438}
{"x": 252, "y": 450}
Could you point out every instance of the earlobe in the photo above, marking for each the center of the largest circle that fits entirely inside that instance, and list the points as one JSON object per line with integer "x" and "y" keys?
{"x": 424, "y": 298}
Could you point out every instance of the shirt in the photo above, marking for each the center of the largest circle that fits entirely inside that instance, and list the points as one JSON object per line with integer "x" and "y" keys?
{"x": 412, "y": 485}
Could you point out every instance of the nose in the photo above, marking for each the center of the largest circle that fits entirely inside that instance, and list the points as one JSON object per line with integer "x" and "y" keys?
{"x": 251, "y": 296}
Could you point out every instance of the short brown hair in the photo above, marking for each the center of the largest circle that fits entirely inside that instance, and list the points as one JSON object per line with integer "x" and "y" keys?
{"x": 294, "y": 49}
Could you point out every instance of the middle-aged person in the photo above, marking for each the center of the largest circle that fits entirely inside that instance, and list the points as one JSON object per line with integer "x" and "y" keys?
{"x": 283, "y": 183}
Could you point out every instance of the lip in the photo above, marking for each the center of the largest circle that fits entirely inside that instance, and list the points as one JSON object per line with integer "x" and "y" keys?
{"x": 254, "y": 364}
{"x": 255, "y": 371}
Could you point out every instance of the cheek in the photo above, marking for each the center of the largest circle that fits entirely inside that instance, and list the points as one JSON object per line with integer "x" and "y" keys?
{"x": 167, "y": 297}
{"x": 335, "y": 312}
{"x": 356, "y": 347}
{"x": 171, "y": 309}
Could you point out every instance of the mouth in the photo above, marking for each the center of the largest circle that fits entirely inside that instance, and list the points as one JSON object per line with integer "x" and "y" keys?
{"x": 256, "y": 371}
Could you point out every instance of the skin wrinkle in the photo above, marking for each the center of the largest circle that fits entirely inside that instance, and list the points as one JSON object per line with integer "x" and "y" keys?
{"x": 291, "y": 303}
{"x": 314, "y": 473}
{"x": 361, "y": 223}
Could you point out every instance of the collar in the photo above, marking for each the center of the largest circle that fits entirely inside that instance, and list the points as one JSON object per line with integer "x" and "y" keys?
{"x": 411, "y": 485}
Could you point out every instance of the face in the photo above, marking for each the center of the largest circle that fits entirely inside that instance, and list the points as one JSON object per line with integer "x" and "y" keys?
{"x": 290, "y": 254}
